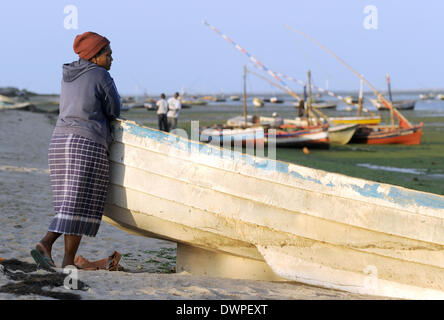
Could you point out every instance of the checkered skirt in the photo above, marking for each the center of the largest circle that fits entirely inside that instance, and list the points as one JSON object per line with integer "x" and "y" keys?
{"x": 79, "y": 170}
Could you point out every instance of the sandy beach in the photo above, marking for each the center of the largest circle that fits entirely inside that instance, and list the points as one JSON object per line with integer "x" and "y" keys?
{"x": 26, "y": 211}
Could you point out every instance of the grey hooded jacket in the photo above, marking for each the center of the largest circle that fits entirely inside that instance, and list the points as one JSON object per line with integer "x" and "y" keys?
{"x": 88, "y": 102}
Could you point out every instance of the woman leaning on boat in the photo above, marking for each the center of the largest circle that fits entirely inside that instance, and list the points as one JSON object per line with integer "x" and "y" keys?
{"x": 78, "y": 151}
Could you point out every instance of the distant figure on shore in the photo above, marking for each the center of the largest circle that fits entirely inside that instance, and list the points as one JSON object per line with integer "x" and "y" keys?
{"x": 162, "y": 109}
{"x": 79, "y": 148}
{"x": 277, "y": 121}
{"x": 174, "y": 106}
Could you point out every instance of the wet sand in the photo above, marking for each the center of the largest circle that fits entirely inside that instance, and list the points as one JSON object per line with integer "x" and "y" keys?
{"x": 25, "y": 214}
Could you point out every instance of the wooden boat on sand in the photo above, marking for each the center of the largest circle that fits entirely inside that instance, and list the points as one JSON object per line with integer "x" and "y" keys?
{"x": 287, "y": 135}
{"x": 388, "y": 135}
{"x": 339, "y": 134}
{"x": 17, "y": 106}
{"x": 239, "y": 216}
{"x": 228, "y": 135}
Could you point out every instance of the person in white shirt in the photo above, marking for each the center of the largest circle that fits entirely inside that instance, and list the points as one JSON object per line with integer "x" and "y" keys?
{"x": 174, "y": 106}
{"x": 162, "y": 109}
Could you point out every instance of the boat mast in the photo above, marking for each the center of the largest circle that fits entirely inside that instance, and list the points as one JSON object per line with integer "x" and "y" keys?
{"x": 387, "y": 77}
{"x": 309, "y": 97}
{"x": 361, "y": 96}
{"x": 245, "y": 95}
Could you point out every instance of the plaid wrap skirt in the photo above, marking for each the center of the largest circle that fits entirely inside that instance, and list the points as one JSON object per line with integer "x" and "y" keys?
{"x": 79, "y": 170}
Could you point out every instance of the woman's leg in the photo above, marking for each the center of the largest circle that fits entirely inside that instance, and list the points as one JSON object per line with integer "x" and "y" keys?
{"x": 45, "y": 245}
{"x": 72, "y": 243}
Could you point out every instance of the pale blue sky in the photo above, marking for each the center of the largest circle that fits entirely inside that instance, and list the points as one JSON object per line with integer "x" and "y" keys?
{"x": 162, "y": 46}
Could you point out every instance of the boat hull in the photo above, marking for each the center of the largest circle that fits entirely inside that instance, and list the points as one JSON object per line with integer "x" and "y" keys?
{"x": 324, "y": 105}
{"x": 388, "y": 135}
{"x": 313, "y": 137}
{"x": 341, "y": 134}
{"x": 303, "y": 224}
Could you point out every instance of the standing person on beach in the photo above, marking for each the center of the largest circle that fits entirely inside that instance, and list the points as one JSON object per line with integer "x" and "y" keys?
{"x": 174, "y": 106}
{"x": 162, "y": 109}
{"x": 78, "y": 151}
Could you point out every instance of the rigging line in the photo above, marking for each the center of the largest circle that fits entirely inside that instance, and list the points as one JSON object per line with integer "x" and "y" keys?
{"x": 284, "y": 89}
{"x": 252, "y": 58}
{"x": 376, "y": 92}
{"x": 328, "y": 92}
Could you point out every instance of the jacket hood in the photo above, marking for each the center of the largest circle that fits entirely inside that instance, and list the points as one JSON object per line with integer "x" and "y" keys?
{"x": 73, "y": 70}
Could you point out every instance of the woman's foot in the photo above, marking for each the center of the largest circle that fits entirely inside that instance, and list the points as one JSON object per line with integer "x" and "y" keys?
{"x": 45, "y": 250}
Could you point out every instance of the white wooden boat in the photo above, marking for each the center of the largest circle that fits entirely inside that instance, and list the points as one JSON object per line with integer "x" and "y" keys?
{"x": 219, "y": 135}
{"x": 239, "y": 216}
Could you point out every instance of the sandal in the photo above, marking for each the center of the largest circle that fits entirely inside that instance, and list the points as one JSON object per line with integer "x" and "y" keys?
{"x": 42, "y": 261}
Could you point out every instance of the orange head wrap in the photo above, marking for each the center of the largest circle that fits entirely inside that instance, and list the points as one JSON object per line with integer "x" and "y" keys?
{"x": 88, "y": 44}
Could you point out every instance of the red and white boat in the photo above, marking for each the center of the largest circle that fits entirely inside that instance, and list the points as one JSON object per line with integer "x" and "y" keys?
{"x": 288, "y": 135}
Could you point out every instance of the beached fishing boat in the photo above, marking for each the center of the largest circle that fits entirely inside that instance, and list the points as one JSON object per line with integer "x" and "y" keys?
{"x": 388, "y": 135}
{"x": 293, "y": 136}
{"x": 229, "y": 135}
{"x": 238, "y": 216}
{"x": 339, "y": 134}
{"x": 16, "y": 106}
